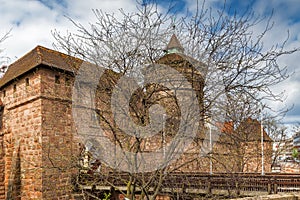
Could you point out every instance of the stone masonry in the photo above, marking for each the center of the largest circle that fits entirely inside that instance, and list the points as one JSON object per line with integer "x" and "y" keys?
{"x": 37, "y": 134}
{"x": 39, "y": 147}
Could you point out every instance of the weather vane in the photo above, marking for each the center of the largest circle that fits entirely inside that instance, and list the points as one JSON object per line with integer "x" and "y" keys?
{"x": 173, "y": 23}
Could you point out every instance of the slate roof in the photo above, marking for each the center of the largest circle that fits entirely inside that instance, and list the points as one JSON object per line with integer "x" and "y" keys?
{"x": 175, "y": 44}
{"x": 178, "y": 56}
{"x": 40, "y": 56}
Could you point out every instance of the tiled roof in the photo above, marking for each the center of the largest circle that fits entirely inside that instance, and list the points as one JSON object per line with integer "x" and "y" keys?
{"x": 179, "y": 57}
{"x": 252, "y": 129}
{"x": 40, "y": 56}
{"x": 249, "y": 129}
{"x": 226, "y": 127}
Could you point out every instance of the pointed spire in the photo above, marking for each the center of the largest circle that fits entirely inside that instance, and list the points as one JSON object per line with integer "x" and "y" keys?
{"x": 174, "y": 46}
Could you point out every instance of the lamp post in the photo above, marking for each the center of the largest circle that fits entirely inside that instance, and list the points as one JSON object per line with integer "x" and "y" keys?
{"x": 210, "y": 150}
{"x": 164, "y": 136}
{"x": 208, "y": 125}
{"x": 262, "y": 144}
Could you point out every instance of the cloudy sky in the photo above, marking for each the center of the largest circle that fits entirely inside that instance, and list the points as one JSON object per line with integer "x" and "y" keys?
{"x": 31, "y": 23}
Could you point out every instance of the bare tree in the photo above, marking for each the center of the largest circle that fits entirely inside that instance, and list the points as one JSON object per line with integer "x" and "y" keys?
{"x": 4, "y": 59}
{"x": 237, "y": 74}
{"x": 279, "y": 134}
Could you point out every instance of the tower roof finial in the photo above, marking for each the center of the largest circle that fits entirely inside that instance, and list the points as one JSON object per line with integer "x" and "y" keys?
{"x": 174, "y": 46}
{"x": 173, "y": 24}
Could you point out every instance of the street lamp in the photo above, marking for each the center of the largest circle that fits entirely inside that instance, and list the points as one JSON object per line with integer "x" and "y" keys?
{"x": 262, "y": 143}
{"x": 210, "y": 150}
{"x": 208, "y": 125}
{"x": 164, "y": 136}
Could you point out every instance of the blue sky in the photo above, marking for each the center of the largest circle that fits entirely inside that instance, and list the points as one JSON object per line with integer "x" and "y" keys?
{"x": 32, "y": 21}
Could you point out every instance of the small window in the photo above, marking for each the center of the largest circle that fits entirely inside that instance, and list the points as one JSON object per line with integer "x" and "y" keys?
{"x": 67, "y": 81}
{"x": 1, "y": 116}
{"x": 4, "y": 93}
{"x": 27, "y": 81}
{"x": 57, "y": 79}
{"x": 15, "y": 87}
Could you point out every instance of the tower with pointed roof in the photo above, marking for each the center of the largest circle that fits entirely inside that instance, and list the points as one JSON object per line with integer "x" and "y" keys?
{"x": 191, "y": 71}
{"x": 189, "y": 67}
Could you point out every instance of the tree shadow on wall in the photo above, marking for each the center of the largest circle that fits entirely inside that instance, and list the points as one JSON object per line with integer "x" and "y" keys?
{"x": 14, "y": 183}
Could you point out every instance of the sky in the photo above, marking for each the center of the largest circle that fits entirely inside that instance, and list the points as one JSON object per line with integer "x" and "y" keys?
{"x": 31, "y": 23}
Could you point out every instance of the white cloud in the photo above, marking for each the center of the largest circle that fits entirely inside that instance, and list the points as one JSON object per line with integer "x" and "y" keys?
{"x": 32, "y": 21}
{"x": 285, "y": 19}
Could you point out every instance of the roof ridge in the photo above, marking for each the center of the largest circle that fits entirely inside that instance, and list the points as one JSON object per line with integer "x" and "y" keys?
{"x": 42, "y": 48}
{"x": 40, "y": 56}
{"x": 39, "y": 53}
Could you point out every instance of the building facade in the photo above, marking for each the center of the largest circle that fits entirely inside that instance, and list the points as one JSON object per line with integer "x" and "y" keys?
{"x": 39, "y": 146}
{"x": 37, "y": 140}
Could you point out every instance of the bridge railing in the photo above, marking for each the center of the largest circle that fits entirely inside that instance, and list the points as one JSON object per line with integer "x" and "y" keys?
{"x": 268, "y": 183}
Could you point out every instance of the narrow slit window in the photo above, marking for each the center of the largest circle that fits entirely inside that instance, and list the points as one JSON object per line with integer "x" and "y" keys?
{"x": 57, "y": 79}
{"x": 15, "y": 87}
{"x": 1, "y": 116}
{"x": 4, "y": 93}
{"x": 27, "y": 81}
{"x": 67, "y": 81}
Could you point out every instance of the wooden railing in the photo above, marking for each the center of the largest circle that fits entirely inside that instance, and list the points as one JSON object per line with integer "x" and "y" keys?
{"x": 187, "y": 182}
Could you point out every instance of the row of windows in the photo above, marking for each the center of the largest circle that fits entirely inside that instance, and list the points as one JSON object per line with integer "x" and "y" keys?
{"x": 15, "y": 86}
{"x": 57, "y": 80}
{"x": 67, "y": 80}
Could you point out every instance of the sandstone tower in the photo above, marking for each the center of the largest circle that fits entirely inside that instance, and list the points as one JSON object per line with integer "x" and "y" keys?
{"x": 36, "y": 135}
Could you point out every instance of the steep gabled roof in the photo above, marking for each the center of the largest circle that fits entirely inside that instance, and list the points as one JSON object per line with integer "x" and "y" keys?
{"x": 40, "y": 56}
{"x": 251, "y": 128}
{"x": 248, "y": 130}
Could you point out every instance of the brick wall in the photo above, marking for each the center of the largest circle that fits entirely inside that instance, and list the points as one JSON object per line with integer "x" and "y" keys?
{"x": 253, "y": 157}
{"x": 37, "y": 137}
{"x": 2, "y": 165}
{"x": 22, "y": 139}
{"x": 60, "y": 148}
